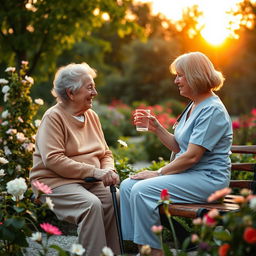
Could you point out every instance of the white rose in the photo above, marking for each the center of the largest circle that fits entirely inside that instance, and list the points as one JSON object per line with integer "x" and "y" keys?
{"x": 10, "y": 69}
{"x": 107, "y": 251}
{"x": 28, "y": 146}
{"x": 77, "y": 249}
{"x": 7, "y": 151}
{"x": 5, "y": 89}
{"x": 6, "y": 96}
{"x": 4, "y": 123}
{"x": 29, "y": 79}
{"x": 37, "y": 122}
{"x": 4, "y": 81}
{"x": 253, "y": 203}
{"x": 17, "y": 188}
{"x": 3, "y": 160}
{"x": 39, "y": 101}
{"x": 2, "y": 173}
{"x": 11, "y": 131}
{"x": 20, "y": 137}
{"x": 5, "y": 114}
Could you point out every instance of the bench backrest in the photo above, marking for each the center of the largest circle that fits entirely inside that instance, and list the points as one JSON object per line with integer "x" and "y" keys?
{"x": 246, "y": 167}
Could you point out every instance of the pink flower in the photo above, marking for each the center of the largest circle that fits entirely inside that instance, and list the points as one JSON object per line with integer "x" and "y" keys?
{"x": 194, "y": 238}
{"x": 157, "y": 229}
{"x": 50, "y": 229}
{"x": 219, "y": 194}
{"x": 42, "y": 187}
{"x": 165, "y": 194}
{"x": 197, "y": 221}
{"x": 213, "y": 213}
{"x": 253, "y": 112}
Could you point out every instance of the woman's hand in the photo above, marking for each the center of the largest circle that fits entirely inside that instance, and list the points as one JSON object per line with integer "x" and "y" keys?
{"x": 108, "y": 176}
{"x": 144, "y": 175}
{"x": 153, "y": 122}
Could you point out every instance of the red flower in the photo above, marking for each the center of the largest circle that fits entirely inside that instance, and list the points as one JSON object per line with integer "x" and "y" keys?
{"x": 250, "y": 235}
{"x": 236, "y": 125}
{"x": 209, "y": 221}
{"x": 223, "y": 250}
{"x": 50, "y": 229}
{"x": 165, "y": 194}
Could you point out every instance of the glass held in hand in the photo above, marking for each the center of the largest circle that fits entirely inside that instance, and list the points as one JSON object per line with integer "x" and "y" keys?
{"x": 142, "y": 119}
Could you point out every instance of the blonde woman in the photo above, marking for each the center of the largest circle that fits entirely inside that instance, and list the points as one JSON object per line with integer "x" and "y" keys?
{"x": 202, "y": 141}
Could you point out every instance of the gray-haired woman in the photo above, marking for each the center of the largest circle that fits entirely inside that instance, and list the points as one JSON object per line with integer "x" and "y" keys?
{"x": 70, "y": 146}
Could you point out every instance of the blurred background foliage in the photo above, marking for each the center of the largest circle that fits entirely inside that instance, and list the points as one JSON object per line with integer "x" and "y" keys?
{"x": 131, "y": 48}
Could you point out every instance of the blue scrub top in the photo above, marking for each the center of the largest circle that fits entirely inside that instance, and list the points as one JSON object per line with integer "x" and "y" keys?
{"x": 209, "y": 126}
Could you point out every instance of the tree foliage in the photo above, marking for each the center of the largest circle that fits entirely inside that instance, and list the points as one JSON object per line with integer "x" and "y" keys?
{"x": 38, "y": 31}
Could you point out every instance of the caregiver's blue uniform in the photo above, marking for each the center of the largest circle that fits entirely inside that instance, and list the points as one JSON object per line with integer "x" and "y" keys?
{"x": 209, "y": 126}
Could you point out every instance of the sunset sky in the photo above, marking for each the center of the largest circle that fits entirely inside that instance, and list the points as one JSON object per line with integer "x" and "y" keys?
{"x": 215, "y": 18}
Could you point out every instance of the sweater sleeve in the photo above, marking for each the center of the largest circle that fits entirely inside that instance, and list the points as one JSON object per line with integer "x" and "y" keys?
{"x": 50, "y": 142}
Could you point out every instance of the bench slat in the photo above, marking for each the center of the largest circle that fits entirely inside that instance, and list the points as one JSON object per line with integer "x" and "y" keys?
{"x": 249, "y": 167}
{"x": 244, "y": 149}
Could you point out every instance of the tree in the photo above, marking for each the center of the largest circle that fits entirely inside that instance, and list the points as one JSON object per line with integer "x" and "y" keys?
{"x": 38, "y": 31}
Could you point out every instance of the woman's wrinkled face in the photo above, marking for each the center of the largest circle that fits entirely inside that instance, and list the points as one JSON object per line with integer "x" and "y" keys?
{"x": 83, "y": 97}
{"x": 184, "y": 88}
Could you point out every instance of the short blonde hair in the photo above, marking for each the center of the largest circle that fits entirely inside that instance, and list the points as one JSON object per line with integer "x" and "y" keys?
{"x": 199, "y": 72}
{"x": 70, "y": 77}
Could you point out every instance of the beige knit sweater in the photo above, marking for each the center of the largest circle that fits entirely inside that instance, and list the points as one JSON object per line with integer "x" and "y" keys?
{"x": 68, "y": 150}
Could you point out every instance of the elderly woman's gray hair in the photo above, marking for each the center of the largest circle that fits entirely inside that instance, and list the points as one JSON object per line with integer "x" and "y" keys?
{"x": 71, "y": 77}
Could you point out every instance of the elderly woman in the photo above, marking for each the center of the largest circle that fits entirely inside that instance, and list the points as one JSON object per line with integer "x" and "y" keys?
{"x": 202, "y": 141}
{"x": 70, "y": 146}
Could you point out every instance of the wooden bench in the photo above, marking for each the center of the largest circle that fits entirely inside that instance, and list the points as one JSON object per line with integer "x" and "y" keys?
{"x": 198, "y": 210}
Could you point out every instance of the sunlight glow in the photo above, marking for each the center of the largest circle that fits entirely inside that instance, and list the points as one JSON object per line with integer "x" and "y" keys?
{"x": 217, "y": 24}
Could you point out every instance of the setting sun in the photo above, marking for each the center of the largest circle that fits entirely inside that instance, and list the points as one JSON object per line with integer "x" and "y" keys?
{"x": 215, "y": 21}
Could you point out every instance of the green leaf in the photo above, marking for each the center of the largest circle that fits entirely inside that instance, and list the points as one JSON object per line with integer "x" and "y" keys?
{"x": 167, "y": 251}
{"x": 223, "y": 235}
{"x": 60, "y": 250}
{"x": 16, "y": 222}
{"x": 18, "y": 209}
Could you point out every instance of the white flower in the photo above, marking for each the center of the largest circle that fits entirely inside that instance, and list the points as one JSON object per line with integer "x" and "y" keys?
{"x": 11, "y": 131}
{"x": 5, "y": 114}
{"x": 4, "y": 81}
{"x": 3, "y": 160}
{"x": 2, "y": 173}
{"x": 24, "y": 62}
{"x": 39, "y": 101}
{"x": 29, "y": 79}
{"x": 107, "y": 251}
{"x": 20, "y": 137}
{"x": 18, "y": 168}
{"x": 6, "y": 96}
{"x": 6, "y": 88}
{"x": 37, "y": 236}
{"x": 253, "y": 203}
{"x": 4, "y": 123}
{"x": 7, "y": 151}
{"x": 49, "y": 202}
{"x": 17, "y": 188}
{"x": 28, "y": 146}
{"x": 10, "y": 69}
{"x": 77, "y": 249}
{"x": 37, "y": 122}
{"x": 20, "y": 119}
{"x": 123, "y": 143}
